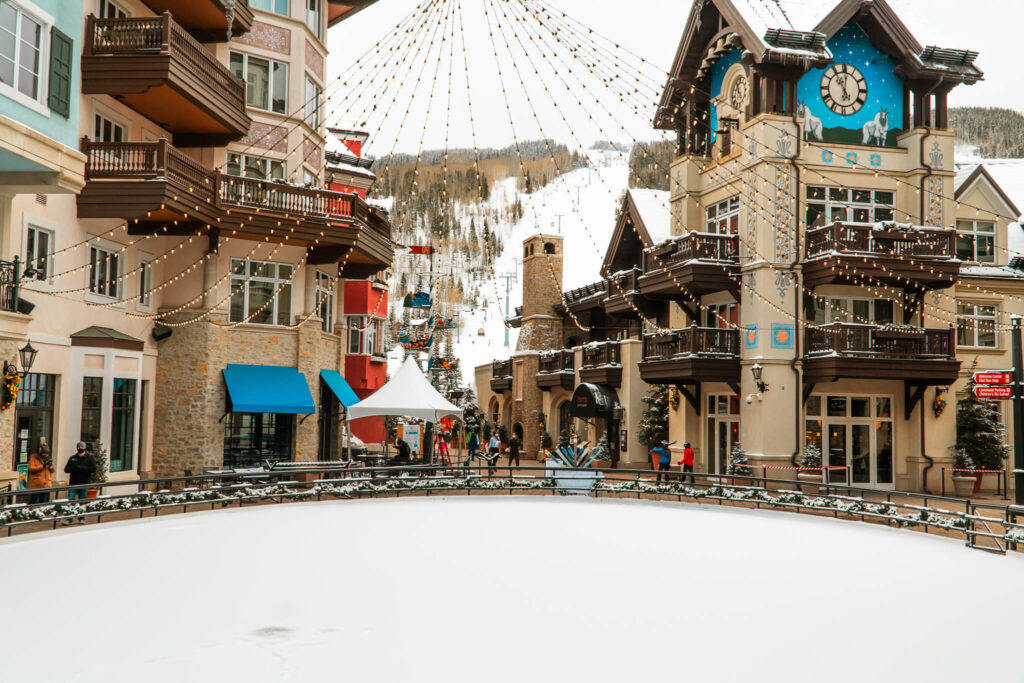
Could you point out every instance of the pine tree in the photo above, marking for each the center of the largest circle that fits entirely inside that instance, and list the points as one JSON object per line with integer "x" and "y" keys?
{"x": 979, "y": 431}
{"x": 653, "y": 423}
{"x": 738, "y": 462}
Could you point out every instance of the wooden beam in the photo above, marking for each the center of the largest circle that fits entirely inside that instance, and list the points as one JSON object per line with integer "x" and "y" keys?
{"x": 808, "y": 390}
{"x": 911, "y": 398}
{"x": 692, "y": 397}
{"x": 736, "y": 389}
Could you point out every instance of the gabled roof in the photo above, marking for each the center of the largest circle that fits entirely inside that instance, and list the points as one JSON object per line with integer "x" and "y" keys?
{"x": 1011, "y": 173}
{"x": 648, "y": 212}
{"x": 105, "y": 337}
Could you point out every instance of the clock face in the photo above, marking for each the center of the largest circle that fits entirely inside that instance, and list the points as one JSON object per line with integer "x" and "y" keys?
{"x": 844, "y": 89}
{"x": 738, "y": 94}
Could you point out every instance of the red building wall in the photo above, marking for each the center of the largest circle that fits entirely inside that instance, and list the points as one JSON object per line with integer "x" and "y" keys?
{"x": 364, "y": 373}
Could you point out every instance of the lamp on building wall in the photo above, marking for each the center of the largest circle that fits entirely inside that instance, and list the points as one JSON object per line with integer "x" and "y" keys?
{"x": 757, "y": 371}
{"x": 27, "y": 354}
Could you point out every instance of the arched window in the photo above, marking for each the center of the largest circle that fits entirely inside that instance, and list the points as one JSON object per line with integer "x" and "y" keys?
{"x": 549, "y": 248}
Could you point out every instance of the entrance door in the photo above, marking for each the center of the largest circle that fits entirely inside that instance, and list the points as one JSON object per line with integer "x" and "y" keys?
{"x": 329, "y": 416}
{"x": 856, "y": 433}
{"x": 723, "y": 431}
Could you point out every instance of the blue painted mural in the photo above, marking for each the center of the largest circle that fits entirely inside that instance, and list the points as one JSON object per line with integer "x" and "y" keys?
{"x": 857, "y": 99}
{"x": 718, "y": 70}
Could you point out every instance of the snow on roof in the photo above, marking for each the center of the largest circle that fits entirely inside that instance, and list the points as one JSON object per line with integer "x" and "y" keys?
{"x": 794, "y": 15}
{"x": 653, "y": 206}
{"x": 353, "y": 169}
{"x": 1009, "y": 176}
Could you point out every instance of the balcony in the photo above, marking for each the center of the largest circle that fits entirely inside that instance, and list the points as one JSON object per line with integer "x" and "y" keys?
{"x": 624, "y": 299}
{"x": 152, "y": 182}
{"x": 918, "y": 356}
{"x": 695, "y": 264}
{"x": 692, "y": 355}
{"x": 206, "y": 20}
{"x": 155, "y": 67}
{"x": 859, "y": 254}
{"x": 10, "y": 284}
{"x": 557, "y": 369}
{"x": 602, "y": 363}
{"x": 501, "y": 376}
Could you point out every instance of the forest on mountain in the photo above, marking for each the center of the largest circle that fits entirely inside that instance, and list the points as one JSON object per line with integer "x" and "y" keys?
{"x": 997, "y": 133}
{"x": 649, "y": 164}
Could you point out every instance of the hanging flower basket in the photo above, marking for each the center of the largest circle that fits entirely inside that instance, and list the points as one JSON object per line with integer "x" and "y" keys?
{"x": 673, "y": 399}
{"x": 939, "y": 404}
{"x": 10, "y": 392}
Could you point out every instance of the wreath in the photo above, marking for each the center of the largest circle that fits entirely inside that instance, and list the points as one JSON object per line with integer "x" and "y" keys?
{"x": 939, "y": 404}
{"x": 11, "y": 383}
{"x": 673, "y": 399}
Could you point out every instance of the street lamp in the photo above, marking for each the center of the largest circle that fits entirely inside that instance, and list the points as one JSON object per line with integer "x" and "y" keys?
{"x": 27, "y": 354}
{"x": 757, "y": 370}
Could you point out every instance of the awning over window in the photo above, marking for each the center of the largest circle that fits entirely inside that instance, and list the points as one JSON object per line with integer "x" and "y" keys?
{"x": 593, "y": 400}
{"x": 267, "y": 389}
{"x": 339, "y": 387}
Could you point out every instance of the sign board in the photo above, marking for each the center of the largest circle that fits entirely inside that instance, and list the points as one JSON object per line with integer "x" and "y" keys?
{"x": 993, "y": 392}
{"x": 994, "y": 377}
{"x": 411, "y": 433}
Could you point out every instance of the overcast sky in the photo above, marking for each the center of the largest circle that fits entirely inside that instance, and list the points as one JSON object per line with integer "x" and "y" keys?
{"x": 400, "y": 108}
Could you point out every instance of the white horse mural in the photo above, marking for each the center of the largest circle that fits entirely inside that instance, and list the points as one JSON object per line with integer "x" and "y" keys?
{"x": 812, "y": 124}
{"x": 877, "y": 130}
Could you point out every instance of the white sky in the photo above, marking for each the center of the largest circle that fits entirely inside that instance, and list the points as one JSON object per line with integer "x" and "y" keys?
{"x": 649, "y": 28}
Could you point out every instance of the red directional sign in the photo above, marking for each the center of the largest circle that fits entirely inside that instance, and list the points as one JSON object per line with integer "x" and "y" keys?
{"x": 993, "y": 392}
{"x": 994, "y": 377}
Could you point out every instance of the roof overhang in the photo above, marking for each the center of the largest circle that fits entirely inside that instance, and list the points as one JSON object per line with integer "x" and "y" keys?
{"x": 340, "y": 11}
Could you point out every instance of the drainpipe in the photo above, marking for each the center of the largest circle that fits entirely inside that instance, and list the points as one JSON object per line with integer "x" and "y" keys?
{"x": 797, "y": 364}
{"x": 931, "y": 461}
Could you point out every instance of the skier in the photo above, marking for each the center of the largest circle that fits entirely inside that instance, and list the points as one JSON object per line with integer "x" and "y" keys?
{"x": 687, "y": 462}
{"x": 664, "y": 462}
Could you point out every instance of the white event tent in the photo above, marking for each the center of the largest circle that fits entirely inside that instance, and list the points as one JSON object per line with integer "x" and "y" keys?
{"x": 408, "y": 394}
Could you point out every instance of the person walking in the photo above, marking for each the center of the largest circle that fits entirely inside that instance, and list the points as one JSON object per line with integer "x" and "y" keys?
{"x": 493, "y": 452}
{"x": 664, "y": 461}
{"x": 472, "y": 444}
{"x": 80, "y": 468}
{"x": 687, "y": 462}
{"x": 513, "y": 450}
{"x": 442, "y": 449}
{"x": 40, "y": 467}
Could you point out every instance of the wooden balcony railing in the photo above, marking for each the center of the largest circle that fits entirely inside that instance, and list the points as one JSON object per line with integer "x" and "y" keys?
{"x": 602, "y": 353}
{"x": 161, "y": 35}
{"x": 501, "y": 368}
{"x": 933, "y": 243}
{"x": 147, "y": 161}
{"x": 692, "y": 341}
{"x": 624, "y": 282}
{"x": 870, "y": 341}
{"x": 559, "y": 361}
{"x": 696, "y": 245}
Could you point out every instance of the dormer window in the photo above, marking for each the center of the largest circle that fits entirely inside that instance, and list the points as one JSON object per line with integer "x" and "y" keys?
{"x": 976, "y": 241}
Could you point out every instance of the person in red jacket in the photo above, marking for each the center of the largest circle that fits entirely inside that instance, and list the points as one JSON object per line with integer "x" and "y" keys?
{"x": 687, "y": 462}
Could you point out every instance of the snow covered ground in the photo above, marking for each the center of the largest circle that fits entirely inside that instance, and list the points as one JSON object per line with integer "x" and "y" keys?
{"x": 503, "y": 589}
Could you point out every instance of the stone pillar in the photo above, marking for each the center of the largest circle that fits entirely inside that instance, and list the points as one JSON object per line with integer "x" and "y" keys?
{"x": 308, "y": 362}
{"x": 527, "y": 402}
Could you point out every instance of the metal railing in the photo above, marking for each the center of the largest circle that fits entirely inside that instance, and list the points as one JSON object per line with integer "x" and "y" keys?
{"x": 875, "y": 341}
{"x": 10, "y": 284}
{"x": 862, "y": 238}
{"x": 692, "y": 341}
{"x": 959, "y": 517}
{"x": 597, "y": 354}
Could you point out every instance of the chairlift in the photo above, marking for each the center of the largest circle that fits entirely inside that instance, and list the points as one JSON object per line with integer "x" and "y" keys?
{"x": 481, "y": 332}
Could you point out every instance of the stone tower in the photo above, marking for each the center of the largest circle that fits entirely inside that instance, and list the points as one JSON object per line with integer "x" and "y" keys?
{"x": 542, "y": 291}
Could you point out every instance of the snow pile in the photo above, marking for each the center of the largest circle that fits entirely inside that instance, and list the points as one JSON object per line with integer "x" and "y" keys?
{"x": 440, "y": 589}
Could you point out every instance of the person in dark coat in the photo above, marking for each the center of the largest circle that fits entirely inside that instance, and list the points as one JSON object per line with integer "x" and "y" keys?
{"x": 80, "y": 468}
{"x": 513, "y": 451}
{"x": 403, "y": 450}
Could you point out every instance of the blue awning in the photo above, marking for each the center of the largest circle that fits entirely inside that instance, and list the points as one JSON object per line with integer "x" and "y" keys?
{"x": 267, "y": 389}
{"x": 340, "y": 387}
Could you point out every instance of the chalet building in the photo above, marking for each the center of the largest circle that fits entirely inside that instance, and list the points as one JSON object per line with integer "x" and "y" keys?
{"x": 829, "y": 272}
{"x": 181, "y": 257}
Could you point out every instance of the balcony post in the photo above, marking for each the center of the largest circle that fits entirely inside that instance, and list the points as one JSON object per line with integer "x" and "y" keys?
{"x": 161, "y": 155}
{"x": 165, "y": 44}
{"x": 90, "y": 34}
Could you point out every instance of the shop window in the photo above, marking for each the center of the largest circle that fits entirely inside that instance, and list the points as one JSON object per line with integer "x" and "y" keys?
{"x": 34, "y": 416}
{"x": 250, "y": 439}
{"x": 92, "y": 410}
{"x": 122, "y": 425}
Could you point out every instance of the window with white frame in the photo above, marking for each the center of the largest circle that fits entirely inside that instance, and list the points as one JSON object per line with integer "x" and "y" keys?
{"x": 145, "y": 280}
{"x": 275, "y": 6}
{"x": 851, "y": 310}
{"x": 312, "y": 103}
{"x": 724, "y": 217}
{"x": 105, "y": 129}
{"x": 22, "y": 39}
{"x": 364, "y": 335}
{"x": 826, "y": 205}
{"x": 313, "y": 16}
{"x": 325, "y": 286}
{"x": 38, "y": 253}
{"x": 309, "y": 178}
{"x": 111, "y": 10}
{"x": 976, "y": 325}
{"x": 266, "y": 81}
{"x": 976, "y": 241}
{"x": 260, "y": 168}
{"x": 261, "y": 292}
{"x": 104, "y": 272}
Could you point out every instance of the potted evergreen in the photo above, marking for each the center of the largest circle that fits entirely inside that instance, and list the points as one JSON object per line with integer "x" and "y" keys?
{"x": 811, "y": 459}
{"x": 99, "y": 475}
{"x": 963, "y": 483}
{"x": 604, "y": 460}
{"x": 738, "y": 466}
{"x": 980, "y": 434}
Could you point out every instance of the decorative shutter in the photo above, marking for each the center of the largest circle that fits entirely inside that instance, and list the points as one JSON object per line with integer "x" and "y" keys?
{"x": 61, "y": 58}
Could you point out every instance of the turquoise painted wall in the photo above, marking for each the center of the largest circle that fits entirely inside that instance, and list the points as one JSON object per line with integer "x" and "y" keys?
{"x": 67, "y": 15}
{"x": 718, "y": 70}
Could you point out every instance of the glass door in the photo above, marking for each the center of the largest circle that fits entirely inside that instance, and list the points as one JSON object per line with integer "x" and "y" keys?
{"x": 723, "y": 431}
{"x": 853, "y": 432}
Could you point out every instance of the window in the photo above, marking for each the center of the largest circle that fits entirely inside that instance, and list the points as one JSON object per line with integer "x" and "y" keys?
{"x": 976, "y": 325}
{"x": 364, "y": 338}
{"x": 21, "y": 51}
{"x": 38, "y": 251}
{"x": 105, "y": 130}
{"x": 312, "y": 104}
{"x": 976, "y": 241}
{"x": 313, "y": 16}
{"x": 252, "y": 438}
{"x": 255, "y": 167}
{"x": 92, "y": 410}
{"x": 309, "y": 178}
{"x": 724, "y": 217}
{"x": 722, "y": 316}
{"x": 266, "y": 81}
{"x": 849, "y": 310}
{"x": 145, "y": 280}
{"x": 122, "y": 425}
{"x": 104, "y": 272}
{"x": 34, "y": 416}
{"x": 325, "y": 300}
{"x": 261, "y": 292}
{"x": 110, "y": 10}
{"x": 825, "y": 205}
{"x": 275, "y": 6}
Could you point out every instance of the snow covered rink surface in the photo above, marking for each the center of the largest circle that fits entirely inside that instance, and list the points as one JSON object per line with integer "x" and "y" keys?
{"x": 496, "y": 588}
